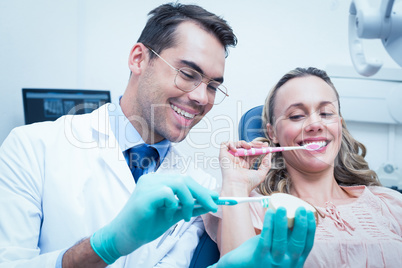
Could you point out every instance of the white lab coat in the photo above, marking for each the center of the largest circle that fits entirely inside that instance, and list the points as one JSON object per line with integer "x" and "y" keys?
{"x": 61, "y": 181}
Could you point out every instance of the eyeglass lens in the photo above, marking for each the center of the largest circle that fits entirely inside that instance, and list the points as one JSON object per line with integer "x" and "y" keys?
{"x": 188, "y": 79}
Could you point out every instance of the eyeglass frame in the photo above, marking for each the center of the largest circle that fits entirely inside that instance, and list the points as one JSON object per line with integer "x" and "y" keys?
{"x": 202, "y": 76}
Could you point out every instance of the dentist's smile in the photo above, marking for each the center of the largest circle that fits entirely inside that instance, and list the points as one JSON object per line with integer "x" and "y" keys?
{"x": 181, "y": 112}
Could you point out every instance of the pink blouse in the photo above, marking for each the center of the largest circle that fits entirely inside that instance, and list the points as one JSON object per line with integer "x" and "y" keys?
{"x": 365, "y": 233}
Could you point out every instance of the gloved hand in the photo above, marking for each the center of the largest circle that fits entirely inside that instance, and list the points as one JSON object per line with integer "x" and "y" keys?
{"x": 152, "y": 209}
{"x": 276, "y": 246}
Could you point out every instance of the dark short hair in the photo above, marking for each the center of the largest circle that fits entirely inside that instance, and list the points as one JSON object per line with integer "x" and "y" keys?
{"x": 159, "y": 32}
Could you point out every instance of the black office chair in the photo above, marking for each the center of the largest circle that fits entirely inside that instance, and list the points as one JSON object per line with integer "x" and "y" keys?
{"x": 250, "y": 127}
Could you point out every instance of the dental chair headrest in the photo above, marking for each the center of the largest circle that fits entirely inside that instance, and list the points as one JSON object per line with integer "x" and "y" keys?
{"x": 250, "y": 125}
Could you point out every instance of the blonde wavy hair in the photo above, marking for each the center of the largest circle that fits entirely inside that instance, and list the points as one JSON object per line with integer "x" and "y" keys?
{"x": 350, "y": 167}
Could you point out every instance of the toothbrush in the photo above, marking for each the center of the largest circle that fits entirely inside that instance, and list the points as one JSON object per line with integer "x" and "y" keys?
{"x": 289, "y": 202}
{"x": 267, "y": 150}
{"x": 231, "y": 201}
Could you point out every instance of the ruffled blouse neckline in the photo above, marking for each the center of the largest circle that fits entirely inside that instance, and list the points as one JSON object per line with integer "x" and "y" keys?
{"x": 331, "y": 210}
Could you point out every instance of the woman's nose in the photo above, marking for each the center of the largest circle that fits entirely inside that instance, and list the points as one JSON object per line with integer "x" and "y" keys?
{"x": 313, "y": 123}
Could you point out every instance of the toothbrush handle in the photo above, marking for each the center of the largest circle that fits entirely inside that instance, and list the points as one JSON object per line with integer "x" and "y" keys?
{"x": 231, "y": 201}
{"x": 221, "y": 202}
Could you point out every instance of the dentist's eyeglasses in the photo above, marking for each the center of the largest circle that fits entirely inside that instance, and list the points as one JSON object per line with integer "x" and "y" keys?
{"x": 188, "y": 79}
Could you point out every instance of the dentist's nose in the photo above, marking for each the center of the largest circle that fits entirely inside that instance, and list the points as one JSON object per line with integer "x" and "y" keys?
{"x": 200, "y": 94}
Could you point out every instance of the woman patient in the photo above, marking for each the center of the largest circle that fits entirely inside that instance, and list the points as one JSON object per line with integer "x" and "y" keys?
{"x": 359, "y": 223}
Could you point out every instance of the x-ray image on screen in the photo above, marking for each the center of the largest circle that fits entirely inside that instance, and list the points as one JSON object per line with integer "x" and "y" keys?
{"x": 49, "y": 104}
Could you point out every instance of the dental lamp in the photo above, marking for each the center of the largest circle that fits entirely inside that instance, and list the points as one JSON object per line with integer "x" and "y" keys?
{"x": 369, "y": 22}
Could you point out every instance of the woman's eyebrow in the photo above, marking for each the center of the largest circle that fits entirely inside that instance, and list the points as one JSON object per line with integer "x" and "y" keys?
{"x": 295, "y": 105}
{"x": 327, "y": 103}
{"x": 301, "y": 105}
{"x": 195, "y": 66}
{"x": 323, "y": 103}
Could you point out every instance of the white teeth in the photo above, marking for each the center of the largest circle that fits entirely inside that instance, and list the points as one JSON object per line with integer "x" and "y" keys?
{"x": 320, "y": 143}
{"x": 181, "y": 112}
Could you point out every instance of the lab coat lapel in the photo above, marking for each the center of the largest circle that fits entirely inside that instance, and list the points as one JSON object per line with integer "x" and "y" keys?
{"x": 109, "y": 151}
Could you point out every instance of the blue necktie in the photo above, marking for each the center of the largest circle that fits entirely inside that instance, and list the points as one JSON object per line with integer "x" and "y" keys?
{"x": 140, "y": 157}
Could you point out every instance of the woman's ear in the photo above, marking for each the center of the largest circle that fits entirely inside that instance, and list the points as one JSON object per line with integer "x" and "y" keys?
{"x": 136, "y": 59}
{"x": 271, "y": 133}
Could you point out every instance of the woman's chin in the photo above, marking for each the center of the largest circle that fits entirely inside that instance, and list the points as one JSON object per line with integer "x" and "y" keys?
{"x": 320, "y": 164}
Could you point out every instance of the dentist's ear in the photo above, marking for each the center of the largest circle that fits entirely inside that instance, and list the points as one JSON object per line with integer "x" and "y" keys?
{"x": 136, "y": 59}
{"x": 271, "y": 133}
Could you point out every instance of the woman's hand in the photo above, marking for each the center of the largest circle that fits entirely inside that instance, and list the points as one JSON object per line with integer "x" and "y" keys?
{"x": 237, "y": 177}
{"x": 238, "y": 180}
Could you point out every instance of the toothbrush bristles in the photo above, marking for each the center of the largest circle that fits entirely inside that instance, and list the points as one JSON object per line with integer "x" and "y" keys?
{"x": 265, "y": 202}
{"x": 313, "y": 146}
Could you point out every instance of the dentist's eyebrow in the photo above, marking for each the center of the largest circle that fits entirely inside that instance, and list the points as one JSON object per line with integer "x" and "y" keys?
{"x": 194, "y": 66}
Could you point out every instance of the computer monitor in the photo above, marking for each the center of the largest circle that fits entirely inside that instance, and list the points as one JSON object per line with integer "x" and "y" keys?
{"x": 49, "y": 104}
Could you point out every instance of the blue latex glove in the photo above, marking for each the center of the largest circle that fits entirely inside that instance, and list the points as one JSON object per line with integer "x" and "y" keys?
{"x": 151, "y": 210}
{"x": 277, "y": 246}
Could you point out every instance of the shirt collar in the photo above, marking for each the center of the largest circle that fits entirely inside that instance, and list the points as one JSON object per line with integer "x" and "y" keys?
{"x": 126, "y": 135}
